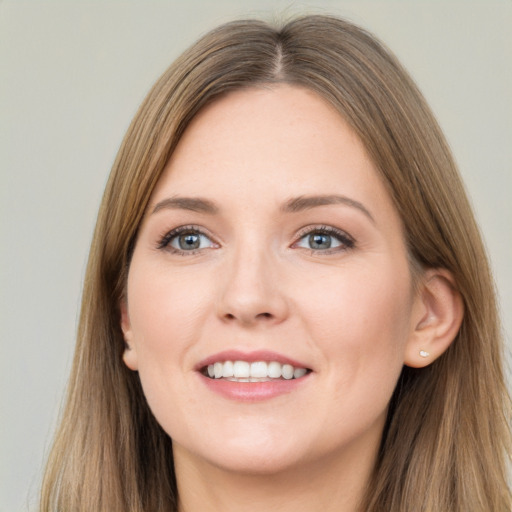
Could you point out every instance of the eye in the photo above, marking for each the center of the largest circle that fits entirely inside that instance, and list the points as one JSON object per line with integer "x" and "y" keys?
{"x": 326, "y": 239}
{"x": 189, "y": 241}
{"x": 185, "y": 239}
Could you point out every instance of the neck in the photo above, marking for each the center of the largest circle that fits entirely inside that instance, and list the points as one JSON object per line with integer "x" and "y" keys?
{"x": 333, "y": 483}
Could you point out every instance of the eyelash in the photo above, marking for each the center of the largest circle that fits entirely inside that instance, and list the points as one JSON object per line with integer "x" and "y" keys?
{"x": 165, "y": 241}
{"x": 345, "y": 240}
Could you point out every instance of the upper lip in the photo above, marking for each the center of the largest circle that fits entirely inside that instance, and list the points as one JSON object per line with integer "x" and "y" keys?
{"x": 250, "y": 357}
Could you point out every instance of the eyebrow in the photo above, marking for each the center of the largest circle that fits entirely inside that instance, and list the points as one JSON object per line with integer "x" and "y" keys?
{"x": 294, "y": 205}
{"x": 301, "y": 203}
{"x": 195, "y": 204}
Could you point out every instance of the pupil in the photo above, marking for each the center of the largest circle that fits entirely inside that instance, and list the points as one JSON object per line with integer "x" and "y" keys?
{"x": 189, "y": 241}
{"x": 320, "y": 241}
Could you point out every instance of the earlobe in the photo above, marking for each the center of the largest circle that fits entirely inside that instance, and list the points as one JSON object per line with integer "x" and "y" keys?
{"x": 130, "y": 353}
{"x": 436, "y": 320}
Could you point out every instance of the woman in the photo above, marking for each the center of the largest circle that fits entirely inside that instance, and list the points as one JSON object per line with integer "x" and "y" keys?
{"x": 287, "y": 280}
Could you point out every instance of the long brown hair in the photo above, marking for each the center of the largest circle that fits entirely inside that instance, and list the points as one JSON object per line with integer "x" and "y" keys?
{"x": 447, "y": 440}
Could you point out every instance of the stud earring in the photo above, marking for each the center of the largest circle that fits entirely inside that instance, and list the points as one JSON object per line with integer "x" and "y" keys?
{"x": 424, "y": 353}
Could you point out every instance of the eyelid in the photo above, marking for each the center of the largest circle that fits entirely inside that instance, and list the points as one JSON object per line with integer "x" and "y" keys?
{"x": 347, "y": 241}
{"x": 164, "y": 241}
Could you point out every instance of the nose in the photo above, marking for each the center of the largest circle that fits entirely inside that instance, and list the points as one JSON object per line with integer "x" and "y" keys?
{"x": 252, "y": 292}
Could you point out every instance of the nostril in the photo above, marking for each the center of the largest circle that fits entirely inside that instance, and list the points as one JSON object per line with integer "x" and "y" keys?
{"x": 259, "y": 316}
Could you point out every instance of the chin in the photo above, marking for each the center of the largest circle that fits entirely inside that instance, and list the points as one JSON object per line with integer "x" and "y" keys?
{"x": 248, "y": 454}
{"x": 255, "y": 463}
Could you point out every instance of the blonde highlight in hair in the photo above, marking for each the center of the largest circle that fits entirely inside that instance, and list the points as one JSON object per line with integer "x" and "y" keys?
{"x": 447, "y": 439}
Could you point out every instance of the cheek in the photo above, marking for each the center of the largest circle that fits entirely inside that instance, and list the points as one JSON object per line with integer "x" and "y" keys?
{"x": 361, "y": 320}
{"x": 377, "y": 296}
{"x": 360, "y": 323}
{"x": 166, "y": 313}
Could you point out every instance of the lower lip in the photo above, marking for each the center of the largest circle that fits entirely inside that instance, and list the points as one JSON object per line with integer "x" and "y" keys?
{"x": 252, "y": 391}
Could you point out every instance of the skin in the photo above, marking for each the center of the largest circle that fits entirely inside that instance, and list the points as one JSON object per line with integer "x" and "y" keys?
{"x": 350, "y": 313}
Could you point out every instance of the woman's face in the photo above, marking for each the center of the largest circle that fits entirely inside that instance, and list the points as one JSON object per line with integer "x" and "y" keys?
{"x": 269, "y": 239}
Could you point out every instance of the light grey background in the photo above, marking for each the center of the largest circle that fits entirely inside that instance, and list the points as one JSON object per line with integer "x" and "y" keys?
{"x": 72, "y": 76}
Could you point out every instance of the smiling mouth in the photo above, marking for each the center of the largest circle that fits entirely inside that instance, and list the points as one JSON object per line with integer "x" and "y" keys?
{"x": 258, "y": 371}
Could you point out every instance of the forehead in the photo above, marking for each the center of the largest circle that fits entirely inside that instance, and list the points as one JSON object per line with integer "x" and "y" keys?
{"x": 270, "y": 143}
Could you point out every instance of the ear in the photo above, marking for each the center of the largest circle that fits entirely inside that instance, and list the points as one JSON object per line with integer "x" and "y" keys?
{"x": 130, "y": 353}
{"x": 437, "y": 317}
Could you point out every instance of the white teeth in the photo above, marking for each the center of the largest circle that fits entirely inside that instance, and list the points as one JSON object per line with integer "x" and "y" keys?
{"x": 227, "y": 370}
{"x": 241, "y": 369}
{"x": 299, "y": 372}
{"x": 217, "y": 370}
{"x": 258, "y": 371}
{"x": 287, "y": 371}
{"x": 274, "y": 369}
